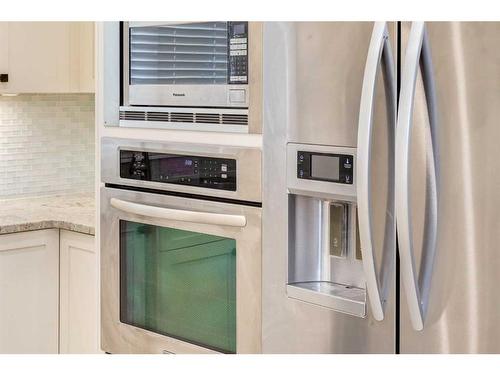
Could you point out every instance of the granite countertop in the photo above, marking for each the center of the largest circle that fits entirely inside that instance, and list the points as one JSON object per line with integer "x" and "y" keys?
{"x": 75, "y": 212}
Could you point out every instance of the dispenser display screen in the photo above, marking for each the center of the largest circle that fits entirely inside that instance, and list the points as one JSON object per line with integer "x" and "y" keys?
{"x": 325, "y": 167}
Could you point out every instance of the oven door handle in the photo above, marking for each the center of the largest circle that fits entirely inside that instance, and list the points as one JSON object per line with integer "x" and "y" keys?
{"x": 179, "y": 215}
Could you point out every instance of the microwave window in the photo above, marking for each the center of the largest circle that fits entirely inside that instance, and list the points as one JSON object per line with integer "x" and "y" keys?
{"x": 191, "y": 53}
{"x": 179, "y": 283}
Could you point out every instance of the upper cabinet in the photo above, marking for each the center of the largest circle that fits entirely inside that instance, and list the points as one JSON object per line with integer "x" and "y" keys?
{"x": 47, "y": 57}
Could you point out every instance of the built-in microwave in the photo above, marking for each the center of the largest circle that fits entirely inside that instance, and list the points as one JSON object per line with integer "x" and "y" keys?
{"x": 190, "y": 75}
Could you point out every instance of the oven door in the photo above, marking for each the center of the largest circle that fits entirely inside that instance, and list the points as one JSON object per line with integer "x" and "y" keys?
{"x": 179, "y": 275}
{"x": 196, "y": 64}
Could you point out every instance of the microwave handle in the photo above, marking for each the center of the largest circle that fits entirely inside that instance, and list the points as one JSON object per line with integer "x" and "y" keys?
{"x": 179, "y": 215}
{"x": 379, "y": 54}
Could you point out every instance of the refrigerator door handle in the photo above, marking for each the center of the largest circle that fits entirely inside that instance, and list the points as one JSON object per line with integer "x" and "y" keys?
{"x": 379, "y": 54}
{"x": 417, "y": 286}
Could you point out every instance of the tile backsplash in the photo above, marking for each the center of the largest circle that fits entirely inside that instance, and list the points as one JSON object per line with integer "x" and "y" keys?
{"x": 46, "y": 144}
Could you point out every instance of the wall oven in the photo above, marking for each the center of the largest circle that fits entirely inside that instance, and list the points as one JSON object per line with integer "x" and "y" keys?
{"x": 190, "y": 75}
{"x": 180, "y": 248}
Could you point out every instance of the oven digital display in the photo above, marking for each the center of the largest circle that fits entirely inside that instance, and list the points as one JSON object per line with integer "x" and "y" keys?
{"x": 177, "y": 166}
{"x": 325, "y": 167}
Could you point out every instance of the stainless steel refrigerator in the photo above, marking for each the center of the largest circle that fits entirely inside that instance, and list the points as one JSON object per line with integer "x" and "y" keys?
{"x": 367, "y": 125}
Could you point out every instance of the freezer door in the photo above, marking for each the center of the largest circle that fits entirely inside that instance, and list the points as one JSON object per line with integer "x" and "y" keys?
{"x": 314, "y": 76}
{"x": 463, "y": 307}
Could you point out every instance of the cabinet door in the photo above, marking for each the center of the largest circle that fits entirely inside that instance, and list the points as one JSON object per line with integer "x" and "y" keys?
{"x": 39, "y": 57}
{"x": 29, "y": 292}
{"x": 48, "y": 57}
{"x": 4, "y": 50}
{"x": 82, "y": 57}
{"x": 79, "y": 300}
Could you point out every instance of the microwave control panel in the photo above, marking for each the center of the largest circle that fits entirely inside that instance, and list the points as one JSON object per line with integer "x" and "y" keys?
{"x": 238, "y": 52}
{"x": 325, "y": 167}
{"x": 206, "y": 172}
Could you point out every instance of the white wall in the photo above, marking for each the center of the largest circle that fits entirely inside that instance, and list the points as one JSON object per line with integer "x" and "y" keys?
{"x": 46, "y": 144}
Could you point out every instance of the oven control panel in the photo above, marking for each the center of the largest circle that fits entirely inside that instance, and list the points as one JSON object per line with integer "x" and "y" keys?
{"x": 207, "y": 172}
{"x": 238, "y": 52}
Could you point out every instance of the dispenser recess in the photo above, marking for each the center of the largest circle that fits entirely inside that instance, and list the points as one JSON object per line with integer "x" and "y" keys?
{"x": 323, "y": 266}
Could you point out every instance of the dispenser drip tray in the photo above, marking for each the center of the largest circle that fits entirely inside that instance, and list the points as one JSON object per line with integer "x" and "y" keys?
{"x": 347, "y": 299}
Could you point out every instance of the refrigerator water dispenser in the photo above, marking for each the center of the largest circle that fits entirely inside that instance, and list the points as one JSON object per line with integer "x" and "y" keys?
{"x": 324, "y": 261}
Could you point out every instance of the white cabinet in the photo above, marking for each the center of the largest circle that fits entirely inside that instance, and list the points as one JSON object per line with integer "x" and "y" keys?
{"x": 29, "y": 292}
{"x": 79, "y": 300}
{"x": 47, "y": 57}
{"x": 49, "y": 293}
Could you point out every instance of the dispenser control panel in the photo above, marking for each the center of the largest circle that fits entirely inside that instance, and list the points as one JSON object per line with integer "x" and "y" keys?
{"x": 325, "y": 167}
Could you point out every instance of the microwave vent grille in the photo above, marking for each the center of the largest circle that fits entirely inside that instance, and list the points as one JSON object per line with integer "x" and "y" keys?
{"x": 191, "y": 53}
{"x": 181, "y": 117}
{"x": 133, "y": 115}
{"x": 186, "y": 117}
{"x": 208, "y": 118}
{"x": 235, "y": 119}
{"x": 157, "y": 116}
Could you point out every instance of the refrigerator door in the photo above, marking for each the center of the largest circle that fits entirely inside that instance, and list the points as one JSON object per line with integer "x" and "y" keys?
{"x": 312, "y": 90}
{"x": 325, "y": 64}
{"x": 462, "y": 305}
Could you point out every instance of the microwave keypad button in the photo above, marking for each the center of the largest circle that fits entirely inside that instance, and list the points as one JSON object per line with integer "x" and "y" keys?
{"x": 223, "y": 167}
{"x": 237, "y": 79}
{"x": 236, "y": 96}
{"x": 238, "y": 40}
{"x": 238, "y": 46}
{"x": 238, "y": 52}
{"x": 223, "y": 175}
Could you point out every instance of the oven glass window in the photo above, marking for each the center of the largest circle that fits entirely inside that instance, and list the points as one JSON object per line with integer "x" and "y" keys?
{"x": 176, "y": 54}
{"x": 179, "y": 283}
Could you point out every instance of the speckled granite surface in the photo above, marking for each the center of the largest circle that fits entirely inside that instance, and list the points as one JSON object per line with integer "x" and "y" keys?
{"x": 74, "y": 212}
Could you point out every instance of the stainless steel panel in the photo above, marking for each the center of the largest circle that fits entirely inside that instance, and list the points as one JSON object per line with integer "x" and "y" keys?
{"x": 117, "y": 337}
{"x": 463, "y": 312}
{"x": 325, "y": 68}
{"x": 110, "y": 74}
{"x": 314, "y": 73}
{"x": 248, "y": 165}
{"x": 255, "y": 77}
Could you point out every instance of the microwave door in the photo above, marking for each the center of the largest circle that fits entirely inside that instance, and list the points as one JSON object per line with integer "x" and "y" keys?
{"x": 197, "y": 64}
